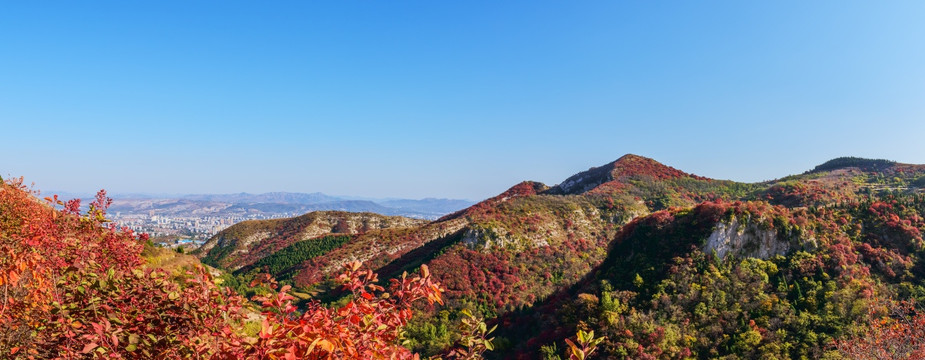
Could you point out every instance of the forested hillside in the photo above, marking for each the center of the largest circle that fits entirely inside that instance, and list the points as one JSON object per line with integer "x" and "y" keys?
{"x": 641, "y": 260}
{"x": 666, "y": 264}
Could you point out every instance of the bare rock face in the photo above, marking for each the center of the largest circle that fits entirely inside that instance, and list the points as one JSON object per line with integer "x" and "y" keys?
{"x": 488, "y": 238}
{"x": 542, "y": 221}
{"x": 352, "y": 223}
{"x": 744, "y": 238}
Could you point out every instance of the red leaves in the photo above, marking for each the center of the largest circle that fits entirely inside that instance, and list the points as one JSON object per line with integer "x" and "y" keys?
{"x": 73, "y": 288}
{"x": 39, "y": 247}
{"x": 366, "y": 327}
{"x": 636, "y": 166}
{"x": 897, "y": 336}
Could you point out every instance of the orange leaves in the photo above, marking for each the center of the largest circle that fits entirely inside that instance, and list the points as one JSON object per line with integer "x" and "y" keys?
{"x": 369, "y": 326}
{"x": 354, "y": 266}
{"x": 434, "y": 295}
{"x": 72, "y": 287}
{"x": 897, "y": 336}
{"x": 13, "y": 277}
{"x": 50, "y": 258}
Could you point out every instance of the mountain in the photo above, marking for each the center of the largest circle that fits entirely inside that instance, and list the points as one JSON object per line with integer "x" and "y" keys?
{"x": 76, "y": 286}
{"x": 426, "y": 205}
{"x": 619, "y": 173}
{"x": 276, "y": 204}
{"x": 665, "y": 263}
{"x": 246, "y": 242}
{"x": 850, "y": 162}
{"x": 272, "y": 197}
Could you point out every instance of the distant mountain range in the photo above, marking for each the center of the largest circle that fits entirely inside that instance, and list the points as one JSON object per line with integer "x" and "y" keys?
{"x": 273, "y": 203}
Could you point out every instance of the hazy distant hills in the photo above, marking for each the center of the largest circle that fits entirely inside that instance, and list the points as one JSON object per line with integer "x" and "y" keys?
{"x": 273, "y": 203}
{"x": 271, "y": 197}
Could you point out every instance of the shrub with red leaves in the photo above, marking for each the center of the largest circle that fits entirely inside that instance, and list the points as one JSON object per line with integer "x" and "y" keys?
{"x": 73, "y": 287}
{"x": 368, "y": 327}
{"x": 899, "y": 335}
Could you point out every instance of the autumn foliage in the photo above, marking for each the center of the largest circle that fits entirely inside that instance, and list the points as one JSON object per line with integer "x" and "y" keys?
{"x": 369, "y": 327}
{"x": 46, "y": 256}
{"x": 625, "y": 264}
{"x": 74, "y": 286}
{"x": 900, "y": 334}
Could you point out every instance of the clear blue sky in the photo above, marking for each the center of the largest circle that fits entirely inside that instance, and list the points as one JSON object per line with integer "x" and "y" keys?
{"x": 448, "y": 98}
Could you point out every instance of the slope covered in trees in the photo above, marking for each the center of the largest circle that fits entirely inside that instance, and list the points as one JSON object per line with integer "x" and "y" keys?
{"x": 534, "y": 247}
{"x": 246, "y": 242}
{"x": 644, "y": 260}
{"x": 661, "y": 295}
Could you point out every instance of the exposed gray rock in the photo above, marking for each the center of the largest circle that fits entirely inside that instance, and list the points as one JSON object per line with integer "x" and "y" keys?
{"x": 747, "y": 238}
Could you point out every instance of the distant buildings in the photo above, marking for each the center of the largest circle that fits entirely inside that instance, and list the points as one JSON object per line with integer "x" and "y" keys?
{"x": 189, "y": 227}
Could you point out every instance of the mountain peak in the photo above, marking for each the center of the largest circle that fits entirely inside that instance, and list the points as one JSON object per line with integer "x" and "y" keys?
{"x": 634, "y": 157}
{"x": 854, "y": 162}
{"x": 627, "y": 166}
{"x": 524, "y": 188}
{"x": 634, "y": 162}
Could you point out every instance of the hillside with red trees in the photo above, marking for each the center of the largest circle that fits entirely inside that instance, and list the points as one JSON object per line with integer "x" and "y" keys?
{"x": 509, "y": 256}
{"x": 641, "y": 260}
{"x": 75, "y": 287}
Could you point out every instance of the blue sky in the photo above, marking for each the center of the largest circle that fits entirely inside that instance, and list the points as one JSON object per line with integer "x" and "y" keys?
{"x": 448, "y": 99}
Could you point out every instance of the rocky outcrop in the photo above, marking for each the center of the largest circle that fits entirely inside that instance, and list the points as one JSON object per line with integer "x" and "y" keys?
{"x": 743, "y": 238}
{"x": 541, "y": 221}
{"x": 488, "y": 238}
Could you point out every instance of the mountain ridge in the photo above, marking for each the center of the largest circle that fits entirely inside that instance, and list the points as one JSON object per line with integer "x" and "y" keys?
{"x": 550, "y": 247}
{"x": 627, "y": 166}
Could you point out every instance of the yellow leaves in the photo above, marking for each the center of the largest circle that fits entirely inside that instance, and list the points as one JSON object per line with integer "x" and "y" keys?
{"x": 751, "y": 337}
{"x": 588, "y": 299}
{"x": 768, "y": 304}
{"x": 322, "y": 344}
{"x": 425, "y": 272}
{"x": 354, "y": 266}
{"x": 434, "y": 296}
